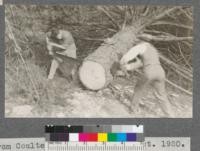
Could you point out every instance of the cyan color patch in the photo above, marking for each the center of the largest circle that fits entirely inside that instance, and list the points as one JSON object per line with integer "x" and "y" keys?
{"x": 121, "y": 137}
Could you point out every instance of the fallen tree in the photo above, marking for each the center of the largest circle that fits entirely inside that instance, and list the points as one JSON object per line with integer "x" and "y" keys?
{"x": 95, "y": 71}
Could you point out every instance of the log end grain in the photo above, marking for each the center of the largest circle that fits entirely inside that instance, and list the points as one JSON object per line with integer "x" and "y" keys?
{"x": 92, "y": 75}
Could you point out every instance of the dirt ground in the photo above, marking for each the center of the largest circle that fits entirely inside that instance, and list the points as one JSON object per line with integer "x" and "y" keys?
{"x": 72, "y": 100}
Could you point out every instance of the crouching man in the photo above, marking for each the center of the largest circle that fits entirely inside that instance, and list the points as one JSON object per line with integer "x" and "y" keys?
{"x": 145, "y": 56}
{"x": 62, "y": 48}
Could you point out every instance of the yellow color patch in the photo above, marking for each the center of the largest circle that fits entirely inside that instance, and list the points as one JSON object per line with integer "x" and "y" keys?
{"x": 102, "y": 137}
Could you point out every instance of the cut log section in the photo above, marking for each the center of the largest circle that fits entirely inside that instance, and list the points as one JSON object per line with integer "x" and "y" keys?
{"x": 95, "y": 71}
{"x": 93, "y": 75}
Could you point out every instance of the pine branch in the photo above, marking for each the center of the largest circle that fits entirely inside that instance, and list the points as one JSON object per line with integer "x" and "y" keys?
{"x": 157, "y": 17}
{"x": 149, "y": 37}
{"x": 18, "y": 50}
{"x": 172, "y": 24}
{"x": 109, "y": 16}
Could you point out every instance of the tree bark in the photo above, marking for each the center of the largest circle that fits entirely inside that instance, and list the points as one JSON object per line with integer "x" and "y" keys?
{"x": 95, "y": 71}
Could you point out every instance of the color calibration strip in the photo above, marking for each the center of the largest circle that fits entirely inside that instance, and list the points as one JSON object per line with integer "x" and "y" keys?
{"x": 94, "y": 128}
{"x": 116, "y": 133}
{"x": 95, "y": 137}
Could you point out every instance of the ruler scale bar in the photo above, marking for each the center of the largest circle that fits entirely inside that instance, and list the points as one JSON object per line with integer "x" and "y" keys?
{"x": 95, "y": 147}
{"x": 150, "y": 144}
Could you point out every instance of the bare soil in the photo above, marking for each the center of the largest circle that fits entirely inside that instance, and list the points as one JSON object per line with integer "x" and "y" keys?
{"x": 72, "y": 100}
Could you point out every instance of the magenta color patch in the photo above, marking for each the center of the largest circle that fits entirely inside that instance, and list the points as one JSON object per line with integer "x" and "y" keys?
{"x": 83, "y": 137}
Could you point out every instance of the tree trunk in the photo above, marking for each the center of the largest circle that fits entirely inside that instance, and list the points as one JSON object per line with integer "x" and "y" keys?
{"x": 95, "y": 71}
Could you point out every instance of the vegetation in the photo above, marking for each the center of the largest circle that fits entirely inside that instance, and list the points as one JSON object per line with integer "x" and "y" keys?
{"x": 169, "y": 29}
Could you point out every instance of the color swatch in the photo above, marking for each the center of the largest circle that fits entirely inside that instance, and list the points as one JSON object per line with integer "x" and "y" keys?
{"x": 94, "y": 128}
{"x": 114, "y": 133}
{"x": 96, "y": 137}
